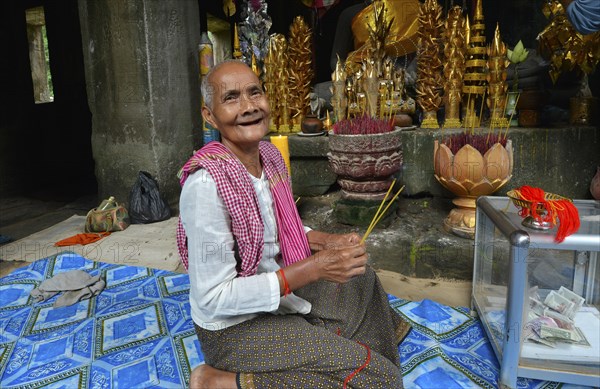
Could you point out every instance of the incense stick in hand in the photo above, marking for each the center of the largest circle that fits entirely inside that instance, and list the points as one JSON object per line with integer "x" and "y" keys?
{"x": 378, "y": 214}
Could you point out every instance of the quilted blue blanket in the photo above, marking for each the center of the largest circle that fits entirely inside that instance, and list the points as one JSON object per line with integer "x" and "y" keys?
{"x": 138, "y": 333}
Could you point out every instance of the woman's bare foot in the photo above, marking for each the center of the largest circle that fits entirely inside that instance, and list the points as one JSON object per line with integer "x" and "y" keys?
{"x": 207, "y": 377}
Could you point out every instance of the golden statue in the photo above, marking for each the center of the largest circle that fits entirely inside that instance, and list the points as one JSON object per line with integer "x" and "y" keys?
{"x": 497, "y": 87}
{"x": 339, "y": 98}
{"x": 376, "y": 87}
{"x": 401, "y": 16}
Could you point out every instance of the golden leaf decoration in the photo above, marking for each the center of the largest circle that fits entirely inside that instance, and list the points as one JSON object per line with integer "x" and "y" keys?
{"x": 429, "y": 63}
{"x": 566, "y": 48}
{"x": 275, "y": 80}
{"x": 300, "y": 68}
{"x": 454, "y": 63}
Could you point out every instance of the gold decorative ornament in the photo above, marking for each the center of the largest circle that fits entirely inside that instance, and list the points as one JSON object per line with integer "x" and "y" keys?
{"x": 540, "y": 208}
{"x": 275, "y": 82}
{"x": 564, "y": 46}
{"x": 376, "y": 87}
{"x": 327, "y": 121}
{"x": 254, "y": 66}
{"x": 300, "y": 71}
{"x": 378, "y": 33}
{"x": 371, "y": 88}
{"x": 401, "y": 15}
{"x": 569, "y": 50}
{"x": 474, "y": 85}
{"x": 237, "y": 53}
{"x": 454, "y": 65}
{"x": 429, "y": 64}
{"x": 496, "y": 77}
{"x": 339, "y": 99}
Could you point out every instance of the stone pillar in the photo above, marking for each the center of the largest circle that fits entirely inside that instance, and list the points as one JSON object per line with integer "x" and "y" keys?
{"x": 141, "y": 71}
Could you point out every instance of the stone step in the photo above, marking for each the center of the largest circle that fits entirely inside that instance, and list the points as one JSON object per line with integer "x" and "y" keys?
{"x": 413, "y": 243}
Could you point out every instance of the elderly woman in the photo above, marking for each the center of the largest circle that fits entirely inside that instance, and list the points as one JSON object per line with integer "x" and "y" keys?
{"x": 267, "y": 310}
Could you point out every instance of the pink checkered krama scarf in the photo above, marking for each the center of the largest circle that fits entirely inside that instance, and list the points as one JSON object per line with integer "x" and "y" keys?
{"x": 235, "y": 188}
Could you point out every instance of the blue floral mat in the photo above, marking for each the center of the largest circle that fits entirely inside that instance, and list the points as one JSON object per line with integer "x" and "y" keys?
{"x": 138, "y": 333}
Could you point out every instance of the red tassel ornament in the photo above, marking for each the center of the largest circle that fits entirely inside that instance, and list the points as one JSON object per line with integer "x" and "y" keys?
{"x": 544, "y": 208}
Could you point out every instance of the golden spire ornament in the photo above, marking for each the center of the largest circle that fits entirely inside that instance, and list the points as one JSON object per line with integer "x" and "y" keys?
{"x": 429, "y": 64}
{"x": 237, "y": 53}
{"x": 474, "y": 85}
{"x": 300, "y": 71}
{"x": 496, "y": 77}
{"x": 275, "y": 82}
{"x": 269, "y": 71}
{"x": 454, "y": 66}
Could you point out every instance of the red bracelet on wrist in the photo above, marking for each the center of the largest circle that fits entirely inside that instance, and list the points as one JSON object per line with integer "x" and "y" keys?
{"x": 286, "y": 286}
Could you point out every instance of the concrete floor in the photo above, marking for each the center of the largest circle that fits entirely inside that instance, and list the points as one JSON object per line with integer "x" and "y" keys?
{"x": 23, "y": 216}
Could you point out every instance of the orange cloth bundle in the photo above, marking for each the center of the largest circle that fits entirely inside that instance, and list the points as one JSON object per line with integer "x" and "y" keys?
{"x": 82, "y": 239}
{"x": 562, "y": 211}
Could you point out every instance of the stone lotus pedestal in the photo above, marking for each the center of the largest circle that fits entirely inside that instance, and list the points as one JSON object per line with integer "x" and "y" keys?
{"x": 468, "y": 175}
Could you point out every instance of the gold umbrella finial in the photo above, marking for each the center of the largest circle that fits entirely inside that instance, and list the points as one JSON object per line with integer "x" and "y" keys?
{"x": 478, "y": 16}
{"x": 498, "y": 47}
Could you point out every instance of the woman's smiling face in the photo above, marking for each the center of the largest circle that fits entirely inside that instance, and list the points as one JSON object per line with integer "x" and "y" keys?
{"x": 240, "y": 109}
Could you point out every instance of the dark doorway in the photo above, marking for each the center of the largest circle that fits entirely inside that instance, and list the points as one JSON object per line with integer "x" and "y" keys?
{"x": 45, "y": 146}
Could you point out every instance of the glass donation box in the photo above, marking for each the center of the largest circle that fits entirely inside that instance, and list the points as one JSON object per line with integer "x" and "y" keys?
{"x": 537, "y": 299}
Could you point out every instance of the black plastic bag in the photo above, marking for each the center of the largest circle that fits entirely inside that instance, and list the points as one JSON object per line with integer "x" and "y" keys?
{"x": 145, "y": 202}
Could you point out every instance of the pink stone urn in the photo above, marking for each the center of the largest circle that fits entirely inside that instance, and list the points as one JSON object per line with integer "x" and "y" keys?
{"x": 365, "y": 163}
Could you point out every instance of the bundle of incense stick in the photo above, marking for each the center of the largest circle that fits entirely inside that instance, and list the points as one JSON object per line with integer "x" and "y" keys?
{"x": 379, "y": 214}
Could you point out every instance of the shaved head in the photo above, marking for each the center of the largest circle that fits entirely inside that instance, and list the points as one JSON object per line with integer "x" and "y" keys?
{"x": 207, "y": 88}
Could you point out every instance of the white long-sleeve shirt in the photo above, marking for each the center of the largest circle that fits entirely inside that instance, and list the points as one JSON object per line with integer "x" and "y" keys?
{"x": 218, "y": 298}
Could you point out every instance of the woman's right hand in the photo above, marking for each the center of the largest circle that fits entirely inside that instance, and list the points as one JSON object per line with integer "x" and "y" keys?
{"x": 341, "y": 265}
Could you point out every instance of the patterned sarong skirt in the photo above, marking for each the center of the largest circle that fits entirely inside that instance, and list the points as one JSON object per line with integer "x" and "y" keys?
{"x": 350, "y": 338}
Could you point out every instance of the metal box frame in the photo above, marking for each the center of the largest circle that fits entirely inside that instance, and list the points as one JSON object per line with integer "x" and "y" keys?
{"x": 498, "y": 225}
